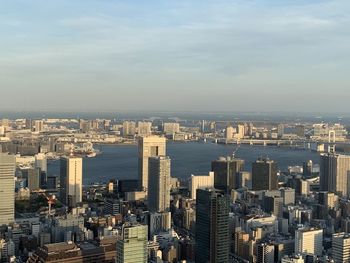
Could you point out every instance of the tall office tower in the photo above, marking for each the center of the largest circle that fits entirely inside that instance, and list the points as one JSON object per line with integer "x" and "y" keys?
{"x": 144, "y": 128}
{"x": 274, "y": 205}
{"x": 171, "y": 127}
{"x": 265, "y": 253}
{"x": 32, "y": 175}
{"x": 229, "y": 133}
{"x": 129, "y": 128}
{"x": 341, "y": 247}
{"x": 200, "y": 182}
{"x": 240, "y": 132}
{"x": 280, "y": 130}
{"x": 159, "y": 184}
{"x": 264, "y": 175}
{"x": 308, "y": 241}
{"x": 7, "y": 188}
{"x": 41, "y": 162}
{"x": 307, "y": 168}
{"x": 288, "y": 195}
{"x": 212, "y": 227}
{"x": 334, "y": 173}
{"x": 148, "y": 147}
{"x": 38, "y": 125}
{"x": 226, "y": 173}
{"x": 71, "y": 177}
{"x": 132, "y": 247}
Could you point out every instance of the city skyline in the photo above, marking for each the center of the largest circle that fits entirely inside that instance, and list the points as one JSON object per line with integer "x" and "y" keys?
{"x": 135, "y": 56}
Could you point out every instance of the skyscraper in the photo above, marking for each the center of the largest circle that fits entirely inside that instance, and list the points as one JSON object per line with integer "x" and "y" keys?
{"x": 144, "y": 128}
{"x": 200, "y": 181}
{"x": 7, "y": 188}
{"x": 264, "y": 175}
{"x": 159, "y": 184}
{"x": 226, "y": 173}
{"x": 129, "y": 128}
{"x": 132, "y": 248}
{"x": 341, "y": 247}
{"x": 71, "y": 177}
{"x": 148, "y": 147}
{"x": 212, "y": 227}
{"x": 334, "y": 173}
{"x": 309, "y": 241}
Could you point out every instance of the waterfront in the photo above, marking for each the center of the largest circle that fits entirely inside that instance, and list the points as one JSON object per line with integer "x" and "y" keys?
{"x": 120, "y": 161}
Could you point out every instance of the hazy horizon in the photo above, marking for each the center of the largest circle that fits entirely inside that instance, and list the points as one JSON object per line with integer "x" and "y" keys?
{"x": 175, "y": 56}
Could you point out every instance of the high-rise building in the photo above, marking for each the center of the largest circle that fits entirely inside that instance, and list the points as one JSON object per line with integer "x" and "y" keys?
{"x": 144, "y": 128}
{"x": 32, "y": 176}
{"x": 280, "y": 130}
{"x": 229, "y": 133}
{"x": 129, "y": 128}
{"x": 71, "y": 178}
{"x": 226, "y": 173}
{"x": 212, "y": 226}
{"x": 38, "y": 125}
{"x": 132, "y": 248}
{"x": 159, "y": 222}
{"x": 308, "y": 241}
{"x": 41, "y": 162}
{"x": 148, "y": 147}
{"x": 240, "y": 132}
{"x": 171, "y": 127}
{"x": 265, "y": 253}
{"x": 334, "y": 173}
{"x": 288, "y": 195}
{"x": 264, "y": 175}
{"x": 200, "y": 182}
{"x": 341, "y": 247}
{"x": 7, "y": 188}
{"x": 307, "y": 168}
{"x": 159, "y": 184}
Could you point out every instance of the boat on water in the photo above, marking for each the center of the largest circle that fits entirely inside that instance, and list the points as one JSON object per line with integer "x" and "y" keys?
{"x": 91, "y": 155}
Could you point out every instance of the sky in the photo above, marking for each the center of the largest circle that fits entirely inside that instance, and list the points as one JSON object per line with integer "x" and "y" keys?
{"x": 179, "y": 55}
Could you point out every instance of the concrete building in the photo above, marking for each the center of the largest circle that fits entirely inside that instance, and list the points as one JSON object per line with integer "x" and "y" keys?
{"x": 150, "y": 146}
{"x": 229, "y": 132}
{"x": 102, "y": 250}
{"x": 226, "y": 173}
{"x": 159, "y": 184}
{"x": 132, "y": 247}
{"x": 41, "y": 162}
{"x": 171, "y": 127}
{"x": 144, "y": 128}
{"x": 265, "y": 253}
{"x": 212, "y": 226}
{"x": 159, "y": 222}
{"x": 32, "y": 175}
{"x": 200, "y": 182}
{"x": 288, "y": 195}
{"x": 7, "y": 188}
{"x": 129, "y": 128}
{"x": 341, "y": 247}
{"x": 71, "y": 179}
{"x": 335, "y": 173}
{"x": 113, "y": 207}
{"x": 38, "y": 125}
{"x": 264, "y": 175}
{"x": 308, "y": 241}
